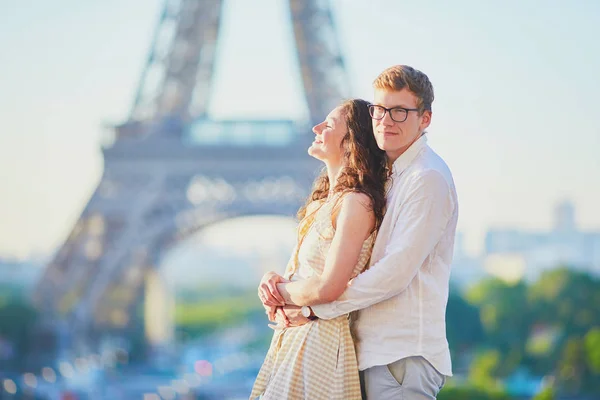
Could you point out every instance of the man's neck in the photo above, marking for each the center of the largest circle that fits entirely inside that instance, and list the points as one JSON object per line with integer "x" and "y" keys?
{"x": 392, "y": 156}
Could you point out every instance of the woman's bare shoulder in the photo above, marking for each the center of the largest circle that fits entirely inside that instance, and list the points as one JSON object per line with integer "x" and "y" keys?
{"x": 357, "y": 200}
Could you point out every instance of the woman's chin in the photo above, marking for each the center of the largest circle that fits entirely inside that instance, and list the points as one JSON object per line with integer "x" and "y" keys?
{"x": 315, "y": 153}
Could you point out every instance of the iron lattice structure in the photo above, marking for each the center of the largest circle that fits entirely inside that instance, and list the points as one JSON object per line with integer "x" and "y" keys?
{"x": 157, "y": 189}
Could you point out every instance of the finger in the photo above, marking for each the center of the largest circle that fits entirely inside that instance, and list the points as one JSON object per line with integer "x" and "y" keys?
{"x": 274, "y": 292}
{"x": 280, "y": 314}
{"x": 271, "y": 313}
{"x": 271, "y": 302}
{"x": 267, "y": 298}
{"x": 270, "y": 299}
{"x": 285, "y": 318}
{"x": 261, "y": 293}
{"x": 268, "y": 312}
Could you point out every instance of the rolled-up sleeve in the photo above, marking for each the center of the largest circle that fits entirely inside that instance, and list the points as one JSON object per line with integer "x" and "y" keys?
{"x": 421, "y": 218}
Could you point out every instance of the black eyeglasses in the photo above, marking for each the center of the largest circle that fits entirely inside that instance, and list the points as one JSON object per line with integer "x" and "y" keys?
{"x": 398, "y": 114}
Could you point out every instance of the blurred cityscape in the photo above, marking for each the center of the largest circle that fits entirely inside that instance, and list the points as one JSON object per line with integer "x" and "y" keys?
{"x": 514, "y": 254}
{"x": 152, "y": 295}
{"x": 521, "y": 319}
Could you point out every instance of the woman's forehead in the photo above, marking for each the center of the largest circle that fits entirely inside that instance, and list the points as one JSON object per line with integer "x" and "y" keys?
{"x": 336, "y": 114}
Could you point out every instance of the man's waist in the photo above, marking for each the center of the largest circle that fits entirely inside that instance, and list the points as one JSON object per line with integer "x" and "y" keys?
{"x": 380, "y": 343}
{"x": 383, "y": 354}
{"x": 399, "y": 323}
{"x": 406, "y": 336}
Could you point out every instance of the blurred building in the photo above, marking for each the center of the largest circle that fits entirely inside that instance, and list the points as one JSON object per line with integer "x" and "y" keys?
{"x": 535, "y": 252}
{"x": 465, "y": 268}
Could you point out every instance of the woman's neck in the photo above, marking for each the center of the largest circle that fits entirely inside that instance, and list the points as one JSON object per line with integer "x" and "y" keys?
{"x": 333, "y": 172}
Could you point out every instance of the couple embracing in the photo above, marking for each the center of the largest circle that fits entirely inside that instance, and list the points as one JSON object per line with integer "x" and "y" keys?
{"x": 367, "y": 284}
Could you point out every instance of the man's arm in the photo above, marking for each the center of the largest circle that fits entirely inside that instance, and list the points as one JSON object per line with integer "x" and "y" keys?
{"x": 421, "y": 222}
{"x": 354, "y": 224}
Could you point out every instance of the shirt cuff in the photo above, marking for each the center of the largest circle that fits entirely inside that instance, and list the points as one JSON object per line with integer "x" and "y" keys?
{"x": 325, "y": 311}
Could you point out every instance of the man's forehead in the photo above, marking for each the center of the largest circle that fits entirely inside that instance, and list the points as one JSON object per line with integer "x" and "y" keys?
{"x": 402, "y": 97}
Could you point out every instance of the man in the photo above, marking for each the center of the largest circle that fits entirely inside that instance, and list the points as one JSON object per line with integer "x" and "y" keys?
{"x": 400, "y": 330}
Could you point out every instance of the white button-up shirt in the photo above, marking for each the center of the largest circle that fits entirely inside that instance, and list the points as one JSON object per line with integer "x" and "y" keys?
{"x": 402, "y": 297}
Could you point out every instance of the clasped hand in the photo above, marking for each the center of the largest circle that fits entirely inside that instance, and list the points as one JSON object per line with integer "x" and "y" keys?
{"x": 277, "y": 311}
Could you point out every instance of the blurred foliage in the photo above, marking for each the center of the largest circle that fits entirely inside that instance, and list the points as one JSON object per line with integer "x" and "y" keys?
{"x": 18, "y": 320}
{"x": 485, "y": 368}
{"x": 196, "y": 316}
{"x": 9, "y": 293}
{"x": 550, "y": 327}
{"x": 470, "y": 393}
{"x": 592, "y": 350}
{"x": 545, "y": 394}
{"x": 466, "y": 327}
{"x": 506, "y": 329}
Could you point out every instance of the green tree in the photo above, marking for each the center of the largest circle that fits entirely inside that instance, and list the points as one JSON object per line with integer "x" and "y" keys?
{"x": 485, "y": 368}
{"x": 569, "y": 302}
{"x": 592, "y": 350}
{"x": 571, "y": 366}
{"x": 463, "y": 326}
{"x": 569, "y": 299}
{"x": 506, "y": 318}
{"x": 549, "y": 327}
{"x": 471, "y": 393}
{"x": 575, "y": 374}
{"x": 545, "y": 394}
{"x": 18, "y": 320}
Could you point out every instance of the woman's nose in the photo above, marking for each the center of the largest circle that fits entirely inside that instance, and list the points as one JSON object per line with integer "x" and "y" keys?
{"x": 317, "y": 129}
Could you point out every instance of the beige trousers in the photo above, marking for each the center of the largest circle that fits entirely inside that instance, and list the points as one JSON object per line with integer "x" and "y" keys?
{"x": 411, "y": 378}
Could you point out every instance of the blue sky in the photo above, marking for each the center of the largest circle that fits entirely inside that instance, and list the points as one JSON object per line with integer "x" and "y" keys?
{"x": 515, "y": 115}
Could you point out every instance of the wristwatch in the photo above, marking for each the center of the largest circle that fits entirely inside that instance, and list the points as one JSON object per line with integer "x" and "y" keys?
{"x": 307, "y": 312}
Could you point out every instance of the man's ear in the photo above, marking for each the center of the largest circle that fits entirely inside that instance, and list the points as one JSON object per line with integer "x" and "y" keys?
{"x": 425, "y": 120}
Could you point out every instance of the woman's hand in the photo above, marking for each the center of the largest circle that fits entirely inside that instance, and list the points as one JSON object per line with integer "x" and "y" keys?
{"x": 279, "y": 319}
{"x": 271, "y": 311}
{"x": 267, "y": 289}
{"x": 293, "y": 316}
{"x": 288, "y": 316}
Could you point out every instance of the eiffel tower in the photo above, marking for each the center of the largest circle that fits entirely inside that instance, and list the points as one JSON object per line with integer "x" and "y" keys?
{"x": 171, "y": 170}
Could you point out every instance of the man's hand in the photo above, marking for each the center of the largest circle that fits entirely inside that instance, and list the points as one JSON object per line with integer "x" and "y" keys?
{"x": 267, "y": 289}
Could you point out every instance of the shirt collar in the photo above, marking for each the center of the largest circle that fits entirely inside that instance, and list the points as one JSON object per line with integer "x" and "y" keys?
{"x": 409, "y": 155}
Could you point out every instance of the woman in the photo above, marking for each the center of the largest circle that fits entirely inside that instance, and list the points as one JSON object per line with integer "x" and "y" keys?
{"x": 335, "y": 237}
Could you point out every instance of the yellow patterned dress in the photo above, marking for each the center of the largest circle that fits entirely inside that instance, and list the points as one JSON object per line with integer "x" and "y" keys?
{"x": 316, "y": 360}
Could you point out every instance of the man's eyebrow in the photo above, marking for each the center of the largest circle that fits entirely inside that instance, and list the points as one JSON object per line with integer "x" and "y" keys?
{"x": 394, "y": 106}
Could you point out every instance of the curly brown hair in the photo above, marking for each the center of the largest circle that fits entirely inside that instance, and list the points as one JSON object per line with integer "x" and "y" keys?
{"x": 365, "y": 164}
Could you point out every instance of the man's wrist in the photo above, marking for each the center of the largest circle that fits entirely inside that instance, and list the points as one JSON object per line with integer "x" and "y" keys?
{"x": 307, "y": 312}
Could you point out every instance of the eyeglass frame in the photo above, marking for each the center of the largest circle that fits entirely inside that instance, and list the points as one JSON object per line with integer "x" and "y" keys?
{"x": 388, "y": 110}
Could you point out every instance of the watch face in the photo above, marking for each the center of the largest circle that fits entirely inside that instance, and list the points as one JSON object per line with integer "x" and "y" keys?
{"x": 305, "y": 311}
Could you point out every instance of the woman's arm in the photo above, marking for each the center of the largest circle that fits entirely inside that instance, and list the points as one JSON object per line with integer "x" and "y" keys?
{"x": 267, "y": 289}
{"x": 354, "y": 224}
